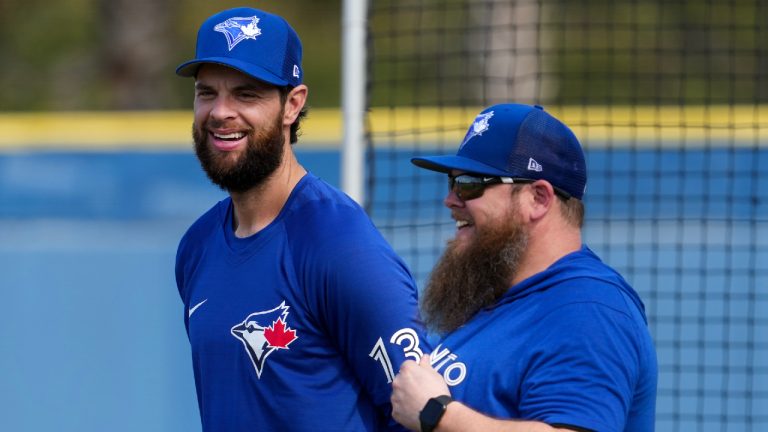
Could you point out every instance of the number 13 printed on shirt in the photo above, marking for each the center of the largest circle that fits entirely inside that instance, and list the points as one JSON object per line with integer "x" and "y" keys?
{"x": 408, "y": 339}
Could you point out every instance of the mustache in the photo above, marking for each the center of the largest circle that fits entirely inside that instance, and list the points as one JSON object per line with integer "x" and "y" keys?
{"x": 221, "y": 124}
{"x": 457, "y": 216}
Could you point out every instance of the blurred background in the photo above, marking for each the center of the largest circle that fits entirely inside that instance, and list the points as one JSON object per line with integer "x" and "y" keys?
{"x": 98, "y": 180}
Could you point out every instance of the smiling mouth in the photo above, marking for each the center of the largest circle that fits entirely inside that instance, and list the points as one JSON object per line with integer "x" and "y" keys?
{"x": 226, "y": 142}
{"x": 462, "y": 224}
{"x": 234, "y": 136}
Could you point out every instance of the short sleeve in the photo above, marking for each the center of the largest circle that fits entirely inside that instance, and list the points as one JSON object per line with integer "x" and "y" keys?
{"x": 584, "y": 368}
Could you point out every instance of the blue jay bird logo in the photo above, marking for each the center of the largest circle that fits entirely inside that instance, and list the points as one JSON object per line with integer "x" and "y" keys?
{"x": 238, "y": 29}
{"x": 480, "y": 125}
{"x": 263, "y": 332}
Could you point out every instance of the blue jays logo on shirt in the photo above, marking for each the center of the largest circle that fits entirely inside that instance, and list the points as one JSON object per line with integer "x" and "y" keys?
{"x": 479, "y": 126}
{"x": 238, "y": 29}
{"x": 264, "y": 332}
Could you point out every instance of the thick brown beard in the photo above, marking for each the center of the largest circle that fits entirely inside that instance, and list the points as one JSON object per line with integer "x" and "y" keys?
{"x": 467, "y": 279}
{"x": 262, "y": 156}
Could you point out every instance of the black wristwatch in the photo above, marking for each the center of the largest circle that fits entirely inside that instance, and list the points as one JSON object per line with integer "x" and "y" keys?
{"x": 433, "y": 411}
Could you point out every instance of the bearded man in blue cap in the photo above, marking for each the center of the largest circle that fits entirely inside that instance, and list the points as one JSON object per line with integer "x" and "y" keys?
{"x": 538, "y": 333}
{"x": 297, "y": 310}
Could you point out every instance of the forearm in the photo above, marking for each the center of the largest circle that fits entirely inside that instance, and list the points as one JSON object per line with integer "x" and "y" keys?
{"x": 460, "y": 418}
{"x": 417, "y": 382}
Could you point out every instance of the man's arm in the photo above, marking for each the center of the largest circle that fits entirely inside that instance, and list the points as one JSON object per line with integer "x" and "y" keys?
{"x": 364, "y": 297}
{"x": 416, "y": 383}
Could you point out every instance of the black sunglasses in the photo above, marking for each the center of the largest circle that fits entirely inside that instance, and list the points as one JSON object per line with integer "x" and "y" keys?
{"x": 468, "y": 187}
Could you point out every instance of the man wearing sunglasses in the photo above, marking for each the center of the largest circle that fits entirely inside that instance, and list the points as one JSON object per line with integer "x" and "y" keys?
{"x": 537, "y": 332}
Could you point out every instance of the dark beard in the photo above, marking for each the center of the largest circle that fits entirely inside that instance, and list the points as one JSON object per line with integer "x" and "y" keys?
{"x": 261, "y": 157}
{"x": 468, "y": 279}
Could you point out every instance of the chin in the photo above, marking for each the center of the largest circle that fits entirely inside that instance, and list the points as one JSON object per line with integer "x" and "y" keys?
{"x": 464, "y": 235}
{"x": 459, "y": 243}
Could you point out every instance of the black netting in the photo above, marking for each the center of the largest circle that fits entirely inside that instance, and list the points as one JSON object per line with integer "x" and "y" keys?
{"x": 668, "y": 98}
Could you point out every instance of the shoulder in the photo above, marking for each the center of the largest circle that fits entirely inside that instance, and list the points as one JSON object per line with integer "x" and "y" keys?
{"x": 206, "y": 224}
{"x": 196, "y": 240}
{"x": 329, "y": 234}
{"x": 579, "y": 296}
{"x": 582, "y": 277}
{"x": 313, "y": 194}
{"x": 320, "y": 215}
{"x": 586, "y": 299}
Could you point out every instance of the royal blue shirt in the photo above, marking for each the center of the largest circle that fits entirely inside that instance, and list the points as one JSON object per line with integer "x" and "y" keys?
{"x": 568, "y": 346}
{"x": 301, "y": 326}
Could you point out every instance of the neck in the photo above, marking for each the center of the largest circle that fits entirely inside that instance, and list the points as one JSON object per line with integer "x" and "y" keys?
{"x": 257, "y": 207}
{"x": 546, "y": 246}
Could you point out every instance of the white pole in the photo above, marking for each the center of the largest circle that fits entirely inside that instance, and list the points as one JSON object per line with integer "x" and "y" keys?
{"x": 353, "y": 27}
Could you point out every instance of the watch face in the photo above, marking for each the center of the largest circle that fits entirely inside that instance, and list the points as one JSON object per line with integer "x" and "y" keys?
{"x": 432, "y": 413}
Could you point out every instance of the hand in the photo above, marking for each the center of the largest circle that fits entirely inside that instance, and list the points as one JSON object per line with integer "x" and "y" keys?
{"x": 413, "y": 386}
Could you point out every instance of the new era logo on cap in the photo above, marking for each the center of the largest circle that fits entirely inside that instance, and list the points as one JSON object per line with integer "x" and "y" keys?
{"x": 252, "y": 41}
{"x": 534, "y": 166}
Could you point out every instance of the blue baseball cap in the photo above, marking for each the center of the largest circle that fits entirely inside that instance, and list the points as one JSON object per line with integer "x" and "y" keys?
{"x": 520, "y": 141}
{"x": 256, "y": 43}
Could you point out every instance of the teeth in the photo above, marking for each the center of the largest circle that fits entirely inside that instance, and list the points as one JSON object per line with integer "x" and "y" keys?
{"x": 233, "y": 135}
{"x": 461, "y": 223}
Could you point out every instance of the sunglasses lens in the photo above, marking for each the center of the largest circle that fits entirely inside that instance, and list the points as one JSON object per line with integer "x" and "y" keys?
{"x": 466, "y": 187}
{"x": 469, "y": 191}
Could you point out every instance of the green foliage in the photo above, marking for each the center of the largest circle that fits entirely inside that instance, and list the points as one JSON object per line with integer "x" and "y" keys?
{"x": 121, "y": 54}
{"x": 62, "y": 55}
{"x": 639, "y": 52}
{"x": 430, "y": 52}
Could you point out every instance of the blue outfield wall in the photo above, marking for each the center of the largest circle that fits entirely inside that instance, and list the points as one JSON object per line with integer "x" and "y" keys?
{"x": 711, "y": 183}
{"x": 116, "y": 185}
{"x": 638, "y": 183}
{"x": 92, "y": 334}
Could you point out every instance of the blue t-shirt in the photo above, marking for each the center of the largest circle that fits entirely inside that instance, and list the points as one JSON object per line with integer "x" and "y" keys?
{"x": 300, "y": 326}
{"x": 567, "y": 346}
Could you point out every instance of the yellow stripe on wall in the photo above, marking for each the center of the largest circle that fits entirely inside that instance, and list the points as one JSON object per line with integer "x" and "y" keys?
{"x": 594, "y": 125}
{"x": 144, "y": 130}
{"x": 94, "y": 130}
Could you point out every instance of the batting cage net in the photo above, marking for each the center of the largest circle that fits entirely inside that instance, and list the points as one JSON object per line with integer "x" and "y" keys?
{"x": 669, "y": 99}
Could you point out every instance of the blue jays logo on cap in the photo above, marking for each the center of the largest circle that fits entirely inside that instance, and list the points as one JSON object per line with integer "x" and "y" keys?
{"x": 238, "y": 29}
{"x": 479, "y": 126}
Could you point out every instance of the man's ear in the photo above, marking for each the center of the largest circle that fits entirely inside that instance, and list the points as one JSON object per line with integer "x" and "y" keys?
{"x": 294, "y": 103}
{"x": 543, "y": 198}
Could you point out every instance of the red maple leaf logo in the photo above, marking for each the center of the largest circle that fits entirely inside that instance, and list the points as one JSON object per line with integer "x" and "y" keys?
{"x": 278, "y": 335}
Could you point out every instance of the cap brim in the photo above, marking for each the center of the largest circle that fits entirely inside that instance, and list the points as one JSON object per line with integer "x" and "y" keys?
{"x": 189, "y": 69}
{"x": 446, "y": 164}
